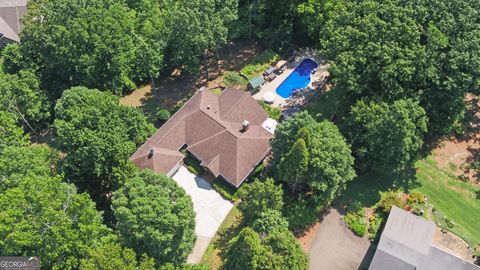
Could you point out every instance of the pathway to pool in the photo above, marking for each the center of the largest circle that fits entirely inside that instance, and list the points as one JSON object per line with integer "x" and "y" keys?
{"x": 272, "y": 86}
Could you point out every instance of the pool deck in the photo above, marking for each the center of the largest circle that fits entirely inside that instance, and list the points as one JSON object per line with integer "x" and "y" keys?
{"x": 272, "y": 86}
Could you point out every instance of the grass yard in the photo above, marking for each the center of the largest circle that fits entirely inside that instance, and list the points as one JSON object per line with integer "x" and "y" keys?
{"x": 260, "y": 63}
{"x": 229, "y": 228}
{"x": 452, "y": 198}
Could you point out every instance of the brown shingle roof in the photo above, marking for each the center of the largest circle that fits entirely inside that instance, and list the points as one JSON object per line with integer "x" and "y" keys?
{"x": 210, "y": 126}
{"x": 11, "y": 11}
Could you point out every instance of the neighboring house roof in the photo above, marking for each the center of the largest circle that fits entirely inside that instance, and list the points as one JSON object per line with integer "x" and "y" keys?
{"x": 11, "y": 11}
{"x": 406, "y": 244}
{"x": 211, "y": 127}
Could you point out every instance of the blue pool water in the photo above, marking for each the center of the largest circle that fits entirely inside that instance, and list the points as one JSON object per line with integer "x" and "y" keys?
{"x": 298, "y": 79}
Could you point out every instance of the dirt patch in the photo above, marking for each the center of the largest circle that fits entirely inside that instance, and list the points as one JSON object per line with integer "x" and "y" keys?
{"x": 307, "y": 237}
{"x": 455, "y": 153}
{"x": 452, "y": 243}
{"x": 173, "y": 88}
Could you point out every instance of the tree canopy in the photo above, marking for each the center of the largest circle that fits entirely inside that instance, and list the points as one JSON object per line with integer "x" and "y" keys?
{"x": 46, "y": 217}
{"x": 391, "y": 50}
{"x": 12, "y": 135}
{"x": 386, "y": 137}
{"x": 111, "y": 256}
{"x": 155, "y": 216}
{"x": 258, "y": 197}
{"x": 328, "y": 160}
{"x": 98, "y": 135}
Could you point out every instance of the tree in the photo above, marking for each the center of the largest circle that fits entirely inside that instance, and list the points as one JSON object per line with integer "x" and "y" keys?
{"x": 46, "y": 217}
{"x": 155, "y": 216}
{"x": 268, "y": 221}
{"x": 246, "y": 251}
{"x": 387, "y": 137}
{"x": 194, "y": 26}
{"x": 19, "y": 162}
{"x": 258, "y": 197}
{"x": 111, "y": 256}
{"x": 20, "y": 95}
{"x": 95, "y": 45}
{"x": 277, "y": 250}
{"x": 12, "y": 135}
{"x": 389, "y": 50}
{"x": 98, "y": 135}
{"x": 287, "y": 253}
{"x": 293, "y": 166}
{"x": 330, "y": 162}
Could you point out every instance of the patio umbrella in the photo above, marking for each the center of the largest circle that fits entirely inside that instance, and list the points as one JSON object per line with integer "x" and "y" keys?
{"x": 269, "y": 97}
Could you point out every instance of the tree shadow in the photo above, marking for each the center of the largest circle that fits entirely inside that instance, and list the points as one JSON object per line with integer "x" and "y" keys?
{"x": 225, "y": 235}
{"x": 365, "y": 190}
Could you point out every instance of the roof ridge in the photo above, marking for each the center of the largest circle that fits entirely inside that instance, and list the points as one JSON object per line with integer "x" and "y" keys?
{"x": 235, "y": 104}
{"x": 208, "y": 138}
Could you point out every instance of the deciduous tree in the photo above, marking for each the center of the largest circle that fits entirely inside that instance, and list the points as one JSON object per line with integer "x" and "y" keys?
{"x": 155, "y": 216}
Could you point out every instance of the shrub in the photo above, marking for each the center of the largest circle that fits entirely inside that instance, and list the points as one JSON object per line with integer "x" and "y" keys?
{"x": 226, "y": 190}
{"x": 231, "y": 78}
{"x": 356, "y": 223}
{"x": 415, "y": 197}
{"x": 388, "y": 200}
{"x": 163, "y": 115}
{"x": 300, "y": 214}
{"x": 449, "y": 223}
{"x": 375, "y": 221}
{"x": 260, "y": 63}
{"x": 193, "y": 165}
{"x": 272, "y": 112}
{"x": 417, "y": 211}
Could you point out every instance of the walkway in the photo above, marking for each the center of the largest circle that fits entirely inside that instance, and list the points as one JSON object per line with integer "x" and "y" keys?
{"x": 210, "y": 210}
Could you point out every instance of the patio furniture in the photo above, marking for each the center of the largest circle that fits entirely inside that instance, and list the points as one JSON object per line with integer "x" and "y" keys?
{"x": 269, "y": 71}
{"x": 271, "y": 77}
{"x": 281, "y": 65}
{"x": 269, "y": 97}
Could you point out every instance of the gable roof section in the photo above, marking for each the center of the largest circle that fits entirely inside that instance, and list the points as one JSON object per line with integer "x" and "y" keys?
{"x": 11, "y": 11}
{"x": 210, "y": 126}
{"x": 406, "y": 244}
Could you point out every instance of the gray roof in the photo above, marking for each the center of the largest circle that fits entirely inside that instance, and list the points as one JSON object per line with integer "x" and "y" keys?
{"x": 406, "y": 244}
{"x": 11, "y": 12}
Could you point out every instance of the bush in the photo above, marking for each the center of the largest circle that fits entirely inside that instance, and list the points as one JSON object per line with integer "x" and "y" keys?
{"x": 226, "y": 190}
{"x": 193, "y": 165}
{"x": 415, "y": 197}
{"x": 272, "y": 112}
{"x": 449, "y": 223}
{"x": 417, "y": 211}
{"x": 375, "y": 221}
{"x": 356, "y": 223}
{"x": 231, "y": 78}
{"x": 260, "y": 63}
{"x": 163, "y": 115}
{"x": 301, "y": 214}
{"x": 388, "y": 200}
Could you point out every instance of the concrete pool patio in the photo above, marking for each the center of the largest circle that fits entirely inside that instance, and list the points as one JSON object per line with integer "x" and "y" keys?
{"x": 210, "y": 210}
{"x": 301, "y": 55}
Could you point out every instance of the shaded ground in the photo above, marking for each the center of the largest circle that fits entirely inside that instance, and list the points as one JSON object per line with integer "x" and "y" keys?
{"x": 336, "y": 247}
{"x": 456, "y": 153}
{"x": 176, "y": 87}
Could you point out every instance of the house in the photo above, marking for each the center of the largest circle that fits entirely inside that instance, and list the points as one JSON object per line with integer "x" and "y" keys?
{"x": 406, "y": 244}
{"x": 11, "y": 12}
{"x": 224, "y": 132}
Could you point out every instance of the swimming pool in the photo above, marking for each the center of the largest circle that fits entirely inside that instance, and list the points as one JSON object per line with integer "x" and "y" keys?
{"x": 298, "y": 79}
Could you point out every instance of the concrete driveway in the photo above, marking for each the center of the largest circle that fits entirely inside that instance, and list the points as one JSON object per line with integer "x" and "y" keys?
{"x": 335, "y": 247}
{"x": 210, "y": 209}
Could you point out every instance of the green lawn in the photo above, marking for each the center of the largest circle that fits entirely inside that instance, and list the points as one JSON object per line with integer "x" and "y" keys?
{"x": 229, "y": 228}
{"x": 450, "y": 197}
{"x": 325, "y": 105}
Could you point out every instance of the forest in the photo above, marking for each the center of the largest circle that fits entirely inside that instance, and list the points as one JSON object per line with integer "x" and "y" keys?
{"x": 69, "y": 193}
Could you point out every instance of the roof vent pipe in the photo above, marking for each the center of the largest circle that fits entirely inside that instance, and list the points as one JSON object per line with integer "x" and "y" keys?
{"x": 151, "y": 153}
{"x": 245, "y": 125}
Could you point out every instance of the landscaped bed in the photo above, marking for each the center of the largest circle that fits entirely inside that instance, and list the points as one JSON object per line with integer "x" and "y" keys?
{"x": 451, "y": 203}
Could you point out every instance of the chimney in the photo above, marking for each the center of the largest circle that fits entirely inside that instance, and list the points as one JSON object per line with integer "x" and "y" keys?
{"x": 245, "y": 125}
{"x": 150, "y": 154}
